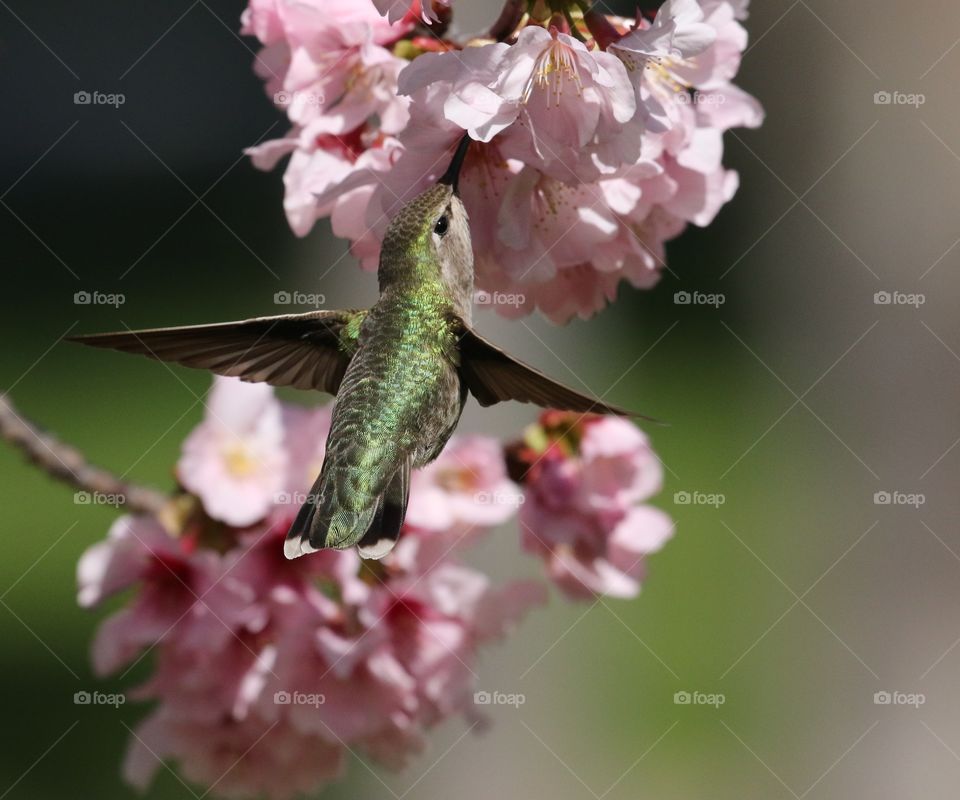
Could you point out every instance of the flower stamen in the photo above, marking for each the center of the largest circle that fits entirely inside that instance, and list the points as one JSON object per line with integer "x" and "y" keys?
{"x": 555, "y": 66}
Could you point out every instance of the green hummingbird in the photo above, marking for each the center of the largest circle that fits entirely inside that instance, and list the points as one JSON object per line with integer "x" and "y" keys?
{"x": 400, "y": 372}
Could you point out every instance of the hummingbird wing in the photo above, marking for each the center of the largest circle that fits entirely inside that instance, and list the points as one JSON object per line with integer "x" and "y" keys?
{"x": 493, "y": 376}
{"x": 306, "y": 351}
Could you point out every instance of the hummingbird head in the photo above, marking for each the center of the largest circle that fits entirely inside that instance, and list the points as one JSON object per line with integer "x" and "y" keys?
{"x": 429, "y": 240}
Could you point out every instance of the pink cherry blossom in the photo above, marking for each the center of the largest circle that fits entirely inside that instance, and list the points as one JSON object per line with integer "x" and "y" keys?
{"x": 618, "y": 466}
{"x": 328, "y": 66}
{"x": 396, "y": 10}
{"x": 466, "y": 485}
{"x": 240, "y": 759}
{"x": 273, "y": 21}
{"x": 585, "y": 478}
{"x": 305, "y": 438}
{"x": 555, "y": 103}
{"x": 268, "y": 671}
{"x": 678, "y": 31}
{"x": 234, "y": 460}
{"x": 185, "y": 595}
{"x": 528, "y": 228}
{"x": 587, "y": 159}
{"x": 338, "y": 78}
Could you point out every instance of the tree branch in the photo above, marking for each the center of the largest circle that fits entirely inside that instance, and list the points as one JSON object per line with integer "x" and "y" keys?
{"x": 67, "y": 464}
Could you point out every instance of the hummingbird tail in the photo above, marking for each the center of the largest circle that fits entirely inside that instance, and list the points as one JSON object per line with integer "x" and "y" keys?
{"x": 313, "y": 529}
{"x": 374, "y": 529}
{"x": 380, "y": 538}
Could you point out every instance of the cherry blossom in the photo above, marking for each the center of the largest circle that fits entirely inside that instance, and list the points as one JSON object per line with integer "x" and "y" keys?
{"x": 466, "y": 485}
{"x": 267, "y": 672}
{"x": 588, "y": 158}
{"x": 585, "y": 480}
{"x": 555, "y": 103}
{"x": 257, "y": 663}
{"x": 396, "y": 10}
{"x": 234, "y": 461}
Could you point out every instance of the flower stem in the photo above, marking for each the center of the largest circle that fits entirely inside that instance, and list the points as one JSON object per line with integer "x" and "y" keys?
{"x": 603, "y": 32}
{"x": 574, "y": 30}
{"x": 67, "y": 464}
{"x": 510, "y": 16}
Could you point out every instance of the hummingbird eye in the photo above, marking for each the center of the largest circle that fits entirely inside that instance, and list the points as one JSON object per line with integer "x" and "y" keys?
{"x": 442, "y": 225}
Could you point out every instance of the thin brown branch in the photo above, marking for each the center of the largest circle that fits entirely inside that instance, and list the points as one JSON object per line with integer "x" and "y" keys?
{"x": 67, "y": 464}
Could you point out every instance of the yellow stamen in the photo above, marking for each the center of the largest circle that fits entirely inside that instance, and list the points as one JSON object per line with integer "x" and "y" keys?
{"x": 553, "y": 67}
{"x": 455, "y": 480}
{"x": 240, "y": 463}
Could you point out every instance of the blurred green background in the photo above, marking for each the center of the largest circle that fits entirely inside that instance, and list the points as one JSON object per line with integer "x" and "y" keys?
{"x": 798, "y": 399}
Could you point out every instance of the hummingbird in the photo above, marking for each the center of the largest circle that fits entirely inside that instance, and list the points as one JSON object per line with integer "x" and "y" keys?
{"x": 401, "y": 371}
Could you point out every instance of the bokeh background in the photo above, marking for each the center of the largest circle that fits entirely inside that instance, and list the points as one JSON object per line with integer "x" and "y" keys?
{"x": 797, "y": 400}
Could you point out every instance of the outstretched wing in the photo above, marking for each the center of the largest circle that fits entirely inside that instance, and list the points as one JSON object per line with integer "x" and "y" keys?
{"x": 306, "y": 351}
{"x": 493, "y": 376}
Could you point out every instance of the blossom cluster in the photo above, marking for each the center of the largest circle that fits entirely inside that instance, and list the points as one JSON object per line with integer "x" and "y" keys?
{"x": 585, "y": 481}
{"x": 268, "y": 672}
{"x": 596, "y": 138}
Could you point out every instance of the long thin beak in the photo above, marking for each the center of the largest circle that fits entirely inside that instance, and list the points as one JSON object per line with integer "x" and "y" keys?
{"x": 452, "y": 176}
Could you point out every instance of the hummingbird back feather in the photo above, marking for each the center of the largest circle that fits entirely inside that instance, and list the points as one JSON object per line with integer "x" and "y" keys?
{"x": 399, "y": 402}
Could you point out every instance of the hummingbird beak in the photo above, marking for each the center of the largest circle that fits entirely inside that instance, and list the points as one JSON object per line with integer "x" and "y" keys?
{"x": 452, "y": 175}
